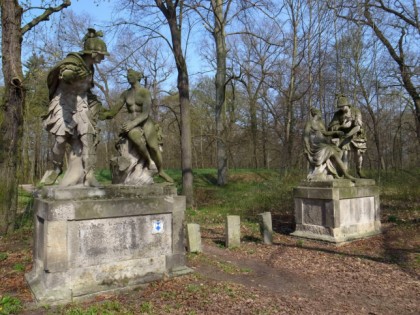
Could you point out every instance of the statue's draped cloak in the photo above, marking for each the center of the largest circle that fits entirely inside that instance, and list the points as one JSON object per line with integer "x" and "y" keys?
{"x": 68, "y": 111}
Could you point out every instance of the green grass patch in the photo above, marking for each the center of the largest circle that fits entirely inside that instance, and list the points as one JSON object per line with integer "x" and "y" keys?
{"x": 19, "y": 267}
{"x": 10, "y": 305}
{"x": 248, "y": 193}
{"x": 109, "y": 307}
{"x": 225, "y": 266}
{"x": 399, "y": 195}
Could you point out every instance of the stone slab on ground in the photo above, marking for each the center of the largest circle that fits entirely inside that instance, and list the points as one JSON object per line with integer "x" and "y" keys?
{"x": 194, "y": 238}
{"x": 233, "y": 231}
{"x": 266, "y": 227}
{"x": 94, "y": 240}
{"x": 337, "y": 211}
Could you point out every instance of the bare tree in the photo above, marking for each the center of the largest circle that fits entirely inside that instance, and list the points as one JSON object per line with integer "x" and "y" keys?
{"x": 12, "y": 108}
{"x": 173, "y": 12}
{"x": 391, "y": 22}
{"x": 214, "y": 14}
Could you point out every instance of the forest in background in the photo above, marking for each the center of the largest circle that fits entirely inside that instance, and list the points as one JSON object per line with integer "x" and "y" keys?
{"x": 258, "y": 68}
{"x": 282, "y": 58}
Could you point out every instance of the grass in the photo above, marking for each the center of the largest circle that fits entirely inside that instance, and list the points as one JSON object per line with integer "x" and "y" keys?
{"x": 248, "y": 193}
{"x": 10, "y": 305}
{"x": 400, "y": 195}
{"x": 224, "y": 266}
{"x": 109, "y": 307}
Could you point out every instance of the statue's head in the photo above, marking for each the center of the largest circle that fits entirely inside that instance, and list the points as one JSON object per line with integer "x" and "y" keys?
{"x": 315, "y": 111}
{"x": 93, "y": 44}
{"x": 342, "y": 101}
{"x": 133, "y": 75}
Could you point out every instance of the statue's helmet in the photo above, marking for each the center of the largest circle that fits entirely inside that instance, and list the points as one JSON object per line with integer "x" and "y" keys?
{"x": 342, "y": 101}
{"x": 93, "y": 43}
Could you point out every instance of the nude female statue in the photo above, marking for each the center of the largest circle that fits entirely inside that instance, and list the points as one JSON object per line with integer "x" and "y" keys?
{"x": 140, "y": 130}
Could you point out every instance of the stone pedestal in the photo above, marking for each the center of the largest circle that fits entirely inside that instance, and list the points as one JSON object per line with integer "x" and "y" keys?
{"x": 337, "y": 211}
{"x": 94, "y": 240}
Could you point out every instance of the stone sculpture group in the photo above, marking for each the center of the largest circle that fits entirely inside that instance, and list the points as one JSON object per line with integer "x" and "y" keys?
{"x": 88, "y": 239}
{"x": 73, "y": 114}
{"x": 328, "y": 150}
{"x": 74, "y": 111}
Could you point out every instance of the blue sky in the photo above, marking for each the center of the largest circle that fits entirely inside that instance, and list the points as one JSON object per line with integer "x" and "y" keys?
{"x": 102, "y": 10}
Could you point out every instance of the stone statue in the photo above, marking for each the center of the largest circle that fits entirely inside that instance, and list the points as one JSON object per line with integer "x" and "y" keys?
{"x": 323, "y": 155}
{"x": 348, "y": 119}
{"x": 140, "y": 138}
{"x": 73, "y": 113}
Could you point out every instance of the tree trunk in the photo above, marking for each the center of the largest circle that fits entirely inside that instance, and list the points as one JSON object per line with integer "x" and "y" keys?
{"x": 220, "y": 82}
{"x": 254, "y": 124}
{"x": 11, "y": 129}
{"x": 290, "y": 119}
{"x": 184, "y": 100}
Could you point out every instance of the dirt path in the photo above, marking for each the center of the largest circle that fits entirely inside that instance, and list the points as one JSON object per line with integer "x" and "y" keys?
{"x": 317, "y": 278}
{"x": 379, "y": 275}
{"x": 258, "y": 273}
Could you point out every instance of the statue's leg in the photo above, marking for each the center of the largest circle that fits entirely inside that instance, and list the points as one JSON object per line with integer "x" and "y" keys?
{"x": 89, "y": 159}
{"x": 154, "y": 149}
{"x": 342, "y": 167}
{"x": 137, "y": 138}
{"x": 74, "y": 174}
{"x": 345, "y": 159}
{"x": 359, "y": 163}
{"x": 58, "y": 152}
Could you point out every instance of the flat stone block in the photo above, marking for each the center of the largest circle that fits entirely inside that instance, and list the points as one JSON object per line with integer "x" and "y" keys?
{"x": 337, "y": 211}
{"x": 233, "y": 231}
{"x": 194, "y": 238}
{"x": 94, "y": 240}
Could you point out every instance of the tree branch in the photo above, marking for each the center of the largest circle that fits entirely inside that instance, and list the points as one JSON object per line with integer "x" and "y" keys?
{"x": 45, "y": 16}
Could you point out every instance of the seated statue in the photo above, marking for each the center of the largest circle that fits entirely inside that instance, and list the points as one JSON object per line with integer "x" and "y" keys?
{"x": 323, "y": 155}
{"x": 140, "y": 140}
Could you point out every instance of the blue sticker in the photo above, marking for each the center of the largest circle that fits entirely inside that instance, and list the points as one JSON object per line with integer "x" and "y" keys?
{"x": 157, "y": 227}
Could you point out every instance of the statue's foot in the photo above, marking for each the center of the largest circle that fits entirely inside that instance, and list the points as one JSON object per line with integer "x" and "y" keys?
{"x": 51, "y": 178}
{"x": 361, "y": 174}
{"x": 90, "y": 180}
{"x": 166, "y": 177}
{"x": 353, "y": 179}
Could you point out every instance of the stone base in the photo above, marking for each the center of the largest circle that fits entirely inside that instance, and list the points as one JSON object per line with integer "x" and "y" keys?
{"x": 94, "y": 240}
{"x": 337, "y": 211}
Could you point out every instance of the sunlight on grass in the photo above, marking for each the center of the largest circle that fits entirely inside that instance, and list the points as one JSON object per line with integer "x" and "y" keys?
{"x": 248, "y": 193}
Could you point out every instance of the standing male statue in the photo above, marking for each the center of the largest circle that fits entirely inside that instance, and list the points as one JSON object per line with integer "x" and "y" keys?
{"x": 73, "y": 112}
{"x": 348, "y": 119}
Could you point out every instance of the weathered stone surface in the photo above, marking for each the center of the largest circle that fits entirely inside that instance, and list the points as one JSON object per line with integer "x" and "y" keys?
{"x": 110, "y": 192}
{"x": 233, "y": 231}
{"x": 93, "y": 240}
{"x": 194, "y": 238}
{"x": 337, "y": 211}
{"x": 266, "y": 227}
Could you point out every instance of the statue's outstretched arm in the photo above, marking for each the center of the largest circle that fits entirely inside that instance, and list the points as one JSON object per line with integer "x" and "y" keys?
{"x": 115, "y": 109}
